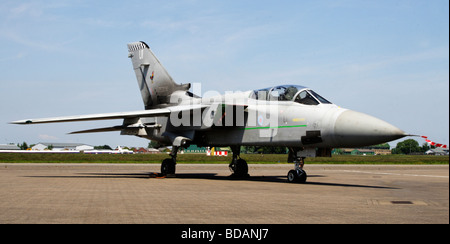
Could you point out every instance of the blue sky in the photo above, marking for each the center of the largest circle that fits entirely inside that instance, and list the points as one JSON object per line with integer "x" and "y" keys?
{"x": 389, "y": 59}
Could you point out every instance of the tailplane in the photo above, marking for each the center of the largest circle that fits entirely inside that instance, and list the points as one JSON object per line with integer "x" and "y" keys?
{"x": 154, "y": 81}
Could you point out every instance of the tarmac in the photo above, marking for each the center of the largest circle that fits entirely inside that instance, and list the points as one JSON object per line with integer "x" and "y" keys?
{"x": 206, "y": 194}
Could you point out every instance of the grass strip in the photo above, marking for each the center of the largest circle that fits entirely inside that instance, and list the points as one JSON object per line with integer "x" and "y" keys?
{"x": 201, "y": 158}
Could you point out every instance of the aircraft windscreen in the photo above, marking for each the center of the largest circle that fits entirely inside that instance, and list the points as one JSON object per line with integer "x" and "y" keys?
{"x": 320, "y": 98}
{"x": 304, "y": 97}
{"x": 278, "y": 93}
{"x": 295, "y": 93}
{"x": 309, "y": 97}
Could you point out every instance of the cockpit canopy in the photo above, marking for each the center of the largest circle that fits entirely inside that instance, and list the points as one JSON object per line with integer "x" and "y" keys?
{"x": 299, "y": 94}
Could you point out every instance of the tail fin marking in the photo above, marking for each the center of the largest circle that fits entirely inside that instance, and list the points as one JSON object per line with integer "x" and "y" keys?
{"x": 155, "y": 83}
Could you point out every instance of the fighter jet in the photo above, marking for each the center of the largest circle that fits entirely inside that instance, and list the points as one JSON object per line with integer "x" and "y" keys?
{"x": 291, "y": 116}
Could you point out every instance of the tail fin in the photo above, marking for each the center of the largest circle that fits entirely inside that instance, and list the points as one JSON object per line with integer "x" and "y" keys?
{"x": 155, "y": 83}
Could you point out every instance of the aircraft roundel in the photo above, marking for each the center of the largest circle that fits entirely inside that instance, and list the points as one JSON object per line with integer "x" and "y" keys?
{"x": 260, "y": 120}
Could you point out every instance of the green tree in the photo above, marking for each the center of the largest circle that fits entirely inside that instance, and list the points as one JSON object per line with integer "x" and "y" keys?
{"x": 264, "y": 150}
{"x": 426, "y": 147}
{"x": 154, "y": 144}
{"x": 23, "y": 146}
{"x": 379, "y": 146}
{"x": 107, "y": 147}
{"x": 407, "y": 147}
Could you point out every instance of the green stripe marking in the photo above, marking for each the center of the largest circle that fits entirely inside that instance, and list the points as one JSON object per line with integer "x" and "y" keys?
{"x": 275, "y": 127}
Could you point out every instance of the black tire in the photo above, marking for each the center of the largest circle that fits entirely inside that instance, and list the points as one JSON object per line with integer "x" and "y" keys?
{"x": 302, "y": 176}
{"x": 292, "y": 176}
{"x": 297, "y": 176}
{"x": 168, "y": 167}
{"x": 239, "y": 168}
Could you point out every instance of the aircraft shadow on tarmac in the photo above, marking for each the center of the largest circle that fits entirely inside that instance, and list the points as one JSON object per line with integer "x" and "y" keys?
{"x": 210, "y": 176}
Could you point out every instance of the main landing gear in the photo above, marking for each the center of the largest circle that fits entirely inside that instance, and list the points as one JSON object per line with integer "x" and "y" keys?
{"x": 238, "y": 166}
{"x": 297, "y": 175}
{"x": 168, "y": 166}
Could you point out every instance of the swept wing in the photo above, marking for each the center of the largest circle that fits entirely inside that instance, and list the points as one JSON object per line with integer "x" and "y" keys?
{"x": 110, "y": 116}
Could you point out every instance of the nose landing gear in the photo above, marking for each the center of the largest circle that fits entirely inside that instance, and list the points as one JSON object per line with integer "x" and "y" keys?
{"x": 297, "y": 175}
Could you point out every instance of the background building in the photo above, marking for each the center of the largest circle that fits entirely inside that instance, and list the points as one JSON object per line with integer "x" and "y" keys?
{"x": 195, "y": 149}
{"x": 9, "y": 147}
{"x": 61, "y": 146}
{"x": 437, "y": 151}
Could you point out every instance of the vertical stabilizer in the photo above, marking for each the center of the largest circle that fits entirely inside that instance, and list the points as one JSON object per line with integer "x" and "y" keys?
{"x": 155, "y": 83}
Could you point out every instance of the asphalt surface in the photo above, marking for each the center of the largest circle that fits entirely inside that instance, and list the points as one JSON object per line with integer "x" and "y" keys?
{"x": 205, "y": 194}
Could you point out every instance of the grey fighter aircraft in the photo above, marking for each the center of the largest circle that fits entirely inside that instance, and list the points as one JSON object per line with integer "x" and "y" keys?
{"x": 290, "y": 116}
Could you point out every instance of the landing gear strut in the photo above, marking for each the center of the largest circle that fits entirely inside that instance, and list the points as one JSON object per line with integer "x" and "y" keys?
{"x": 297, "y": 175}
{"x": 238, "y": 166}
{"x": 168, "y": 165}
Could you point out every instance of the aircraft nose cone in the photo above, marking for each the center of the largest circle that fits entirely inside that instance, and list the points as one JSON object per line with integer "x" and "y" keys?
{"x": 354, "y": 129}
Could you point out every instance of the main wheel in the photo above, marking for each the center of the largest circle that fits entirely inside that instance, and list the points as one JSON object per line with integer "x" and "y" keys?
{"x": 239, "y": 168}
{"x": 168, "y": 166}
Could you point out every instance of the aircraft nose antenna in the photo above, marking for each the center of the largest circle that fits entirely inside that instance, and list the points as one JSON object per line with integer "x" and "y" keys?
{"x": 353, "y": 129}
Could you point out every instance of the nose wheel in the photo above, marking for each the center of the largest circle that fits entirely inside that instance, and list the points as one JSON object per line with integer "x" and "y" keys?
{"x": 297, "y": 176}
